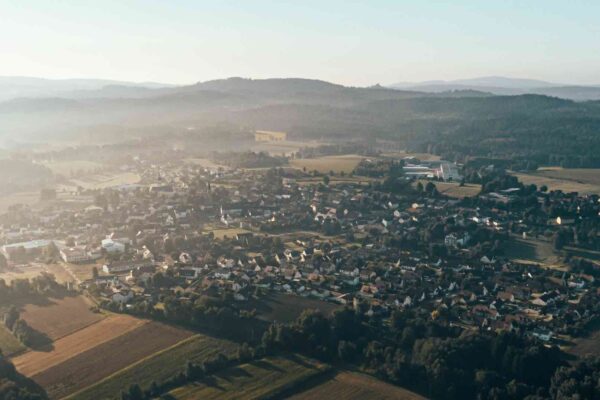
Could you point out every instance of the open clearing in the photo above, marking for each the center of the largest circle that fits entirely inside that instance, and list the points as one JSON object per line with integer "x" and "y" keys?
{"x": 535, "y": 251}
{"x": 453, "y": 189}
{"x": 25, "y": 198}
{"x": 60, "y": 317}
{"x": 229, "y": 232}
{"x": 72, "y": 168}
{"x": 35, "y": 362}
{"x": 581, "y": 180}
{"x": 103, "y": 181}
{"x": 22, "y": 272}
{"x": 102, "y": 360}
{"x": 264, "y": 378}
{"x": 355, "y": 386}
{"x": 588, "y": 346}
{"x": 337, "y": 164}
{"x": 158, "y": 367}
{"x": 286, "y": 308}
{"x": 8, "y": 343}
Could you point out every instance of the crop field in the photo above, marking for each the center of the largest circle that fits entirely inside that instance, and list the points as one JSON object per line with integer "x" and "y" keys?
{"x": 355, "y": 386}
{"x": 34, "y": 362}
{"x": 87, "y": 367}
{"x": 266, "y": 378}
{"x": 337, "y": 164}
{"x": 286, "y": 308}
{"x": 9, "y": 345}
{"x": 159, "y": 366}
{"x": 61, "y": 317}
{"x": 581, "y": 180}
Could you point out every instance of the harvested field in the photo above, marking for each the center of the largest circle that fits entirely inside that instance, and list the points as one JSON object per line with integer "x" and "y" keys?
{"x": 102, "y": 360}
{"x": 581, "y": 180}
{"x": 355, "y": 386}
{"x": 337, "y": 164}
{"x": 267, "y": 378}
{"x": 35, "y": 362}
{"x": 286, "y": 308}
{"x": 8, "y": 343}
{"x": 159, "y": 366}
{"x": 61, "y": 317}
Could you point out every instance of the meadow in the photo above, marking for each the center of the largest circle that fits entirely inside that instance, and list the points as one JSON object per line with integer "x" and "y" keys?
{"x": 355, "y": 386}
{"x": 267, "y": 378}
{"x": 581, "y": 180}
{"x": 88, "y": 367}
{"x": 159, "y": 366}
{"x": 337, "y": 164}
{"x": 9, "y": 345}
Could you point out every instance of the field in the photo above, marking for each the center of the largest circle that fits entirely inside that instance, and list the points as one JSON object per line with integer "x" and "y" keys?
{"x": 337, "y": 164}
{"x": 22, "y": 272}
{"x": 355, "y": 386}
{"x": 72, "y": 168}
{"x": 285, "y": 147}
{"x": 286, "y": 308}
{"x": 88, "y": 367}
{"x": 35, "y": 362}
{"x": 204, "y": 163}
{"x": 26, "y": 198}
{"x": 266, "y": 378}
{"x": 61, "y": 317}
{"x": 102, "y": 181}
{"x": 582, "y": 180}
{"x": 229, "y": 232}
{"x": 159, "y": 366}
{"x": 9, "y": 345}
{"x": 588, "y": 346}
{"x": 532, "y": 250}
{"x": 453, "y": 189}
{"x": 420, "y": 156}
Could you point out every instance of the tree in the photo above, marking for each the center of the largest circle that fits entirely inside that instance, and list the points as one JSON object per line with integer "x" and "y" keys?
{"x": 95, "y": 272}
{"x": 326, "y": 180}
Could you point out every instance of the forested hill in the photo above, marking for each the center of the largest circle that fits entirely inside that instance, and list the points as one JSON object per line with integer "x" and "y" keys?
{"x": 531, "y": 129}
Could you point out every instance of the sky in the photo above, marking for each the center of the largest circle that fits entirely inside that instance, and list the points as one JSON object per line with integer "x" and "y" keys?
{"x": 358, "y": 43}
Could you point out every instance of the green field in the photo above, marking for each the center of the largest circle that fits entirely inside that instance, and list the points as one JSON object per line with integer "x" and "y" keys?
{"x": 158, "y": 367}
{"x": 8, "y": 343}
{"x": 581, "y": 180}
{"x": 267, "y": 378}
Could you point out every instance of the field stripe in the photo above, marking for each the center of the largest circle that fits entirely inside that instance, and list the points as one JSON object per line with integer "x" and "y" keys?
{"x": 134, "y": 365}
{"x": 35, "y": 362}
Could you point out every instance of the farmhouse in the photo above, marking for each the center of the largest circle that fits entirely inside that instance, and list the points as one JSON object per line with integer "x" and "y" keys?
{"x": 269, "y": 136}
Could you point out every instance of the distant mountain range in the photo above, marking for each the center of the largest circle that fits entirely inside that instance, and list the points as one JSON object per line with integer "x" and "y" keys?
{"x": 506, "y": 87}
{"x": 20, "y": 86}
{"x": 458, "y": 121}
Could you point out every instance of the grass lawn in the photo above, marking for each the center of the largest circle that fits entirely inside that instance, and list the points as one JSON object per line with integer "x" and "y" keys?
{"x": 270, "y": 377}
{"x": 158, "y": 367}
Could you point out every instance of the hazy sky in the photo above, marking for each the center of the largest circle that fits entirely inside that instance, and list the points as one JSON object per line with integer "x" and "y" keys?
{"x": 349, "y": 42}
